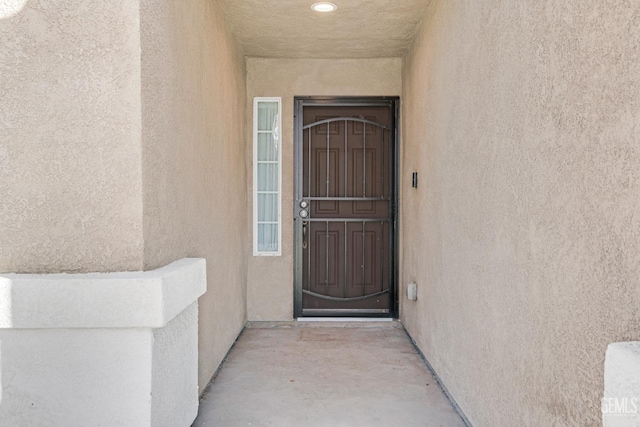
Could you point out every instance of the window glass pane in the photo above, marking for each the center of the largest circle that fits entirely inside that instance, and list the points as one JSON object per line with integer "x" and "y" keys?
{"x": 268, "y": 207}
{"x": 267, "y": 177}
{"x": 267, "y": 115}
{"x": 267, "y": 238}
{"x": 267, "y": 147}
{"x": 266, "y": 172}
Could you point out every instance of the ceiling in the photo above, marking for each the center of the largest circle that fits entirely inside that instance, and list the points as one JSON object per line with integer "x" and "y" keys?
{"x": 358, "y": 29}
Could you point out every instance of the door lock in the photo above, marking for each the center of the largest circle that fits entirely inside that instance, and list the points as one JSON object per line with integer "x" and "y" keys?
{"x": 304, "y": 212}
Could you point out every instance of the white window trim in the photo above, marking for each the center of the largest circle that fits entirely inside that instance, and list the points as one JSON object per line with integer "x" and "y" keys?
{"x": 257, "y": 100}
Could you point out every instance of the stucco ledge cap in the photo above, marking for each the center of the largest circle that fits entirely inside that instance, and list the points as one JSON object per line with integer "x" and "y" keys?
{"x": 141, "y": 299}
{"x": 622, "y": 370}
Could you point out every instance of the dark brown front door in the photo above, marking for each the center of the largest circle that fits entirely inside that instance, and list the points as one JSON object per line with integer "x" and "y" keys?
{"x": 345, "y": 208}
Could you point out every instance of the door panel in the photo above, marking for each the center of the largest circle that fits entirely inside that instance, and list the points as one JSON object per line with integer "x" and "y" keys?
{"x": 345, "y": 170}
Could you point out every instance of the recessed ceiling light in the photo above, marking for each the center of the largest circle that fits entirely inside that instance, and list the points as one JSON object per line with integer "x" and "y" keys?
{"x": 324, "y": 6}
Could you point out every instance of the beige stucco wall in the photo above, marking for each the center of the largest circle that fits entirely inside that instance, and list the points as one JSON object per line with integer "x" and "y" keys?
{"x": 195, "y": 181}
{"x": 122, "y": 146}
{"x": 270, "y": 279}
{"x": 70, "y": 168}
{"x": 523, "y": 120}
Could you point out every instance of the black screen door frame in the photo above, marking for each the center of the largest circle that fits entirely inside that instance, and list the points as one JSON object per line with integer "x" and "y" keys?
{"x": 300, "y": 102}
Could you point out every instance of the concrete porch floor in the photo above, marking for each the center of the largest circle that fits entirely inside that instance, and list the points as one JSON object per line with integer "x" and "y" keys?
{"x": 325, "y": 374}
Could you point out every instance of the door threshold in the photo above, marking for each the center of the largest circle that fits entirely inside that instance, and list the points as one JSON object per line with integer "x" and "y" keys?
{"x": 344, "y": 319}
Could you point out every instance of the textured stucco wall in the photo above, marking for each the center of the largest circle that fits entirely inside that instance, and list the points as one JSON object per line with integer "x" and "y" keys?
{"x": 195, "y": 181}
{"x": 70, "y": 168}
{"x": 76, "y": 377}
{"x": 523, "y": 120}
{"x": 270, "y": 279}
{"x": 174, "y": 371}
{"x": 122, "y": 146}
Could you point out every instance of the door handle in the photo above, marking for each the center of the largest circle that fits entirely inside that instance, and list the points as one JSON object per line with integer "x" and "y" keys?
{"x": 304, "y": 213}
{"x": 304, "y": 234}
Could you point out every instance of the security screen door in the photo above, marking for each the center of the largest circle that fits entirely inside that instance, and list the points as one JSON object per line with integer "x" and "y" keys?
{"x": 345, "y": 207}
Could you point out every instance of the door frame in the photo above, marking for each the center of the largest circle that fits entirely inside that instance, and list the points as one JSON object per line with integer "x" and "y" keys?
{"x": 343, "y": 101}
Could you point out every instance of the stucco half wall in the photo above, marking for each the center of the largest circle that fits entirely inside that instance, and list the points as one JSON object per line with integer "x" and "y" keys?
{"x": 523, "y": 120}
{"x": 270, "y": 279}
{"x": 101, "y": 349}
{"x": 621, "y": 401}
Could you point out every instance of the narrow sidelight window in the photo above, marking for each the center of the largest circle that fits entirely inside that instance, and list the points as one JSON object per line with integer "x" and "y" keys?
{"x": 267, "y": 176}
